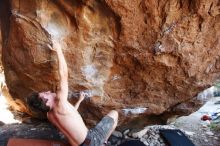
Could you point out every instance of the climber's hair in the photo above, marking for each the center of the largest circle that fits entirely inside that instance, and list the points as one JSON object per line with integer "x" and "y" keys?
{"x": 36, "y": 104}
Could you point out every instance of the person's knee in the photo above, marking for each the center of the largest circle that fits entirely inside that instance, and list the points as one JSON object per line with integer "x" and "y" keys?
{"x": 114, "y": 115}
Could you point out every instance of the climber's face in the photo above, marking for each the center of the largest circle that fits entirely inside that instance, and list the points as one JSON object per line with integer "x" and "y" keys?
{"x": 48, "y": 98}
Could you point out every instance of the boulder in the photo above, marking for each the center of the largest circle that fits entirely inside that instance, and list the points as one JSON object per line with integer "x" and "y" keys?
{"x": 141, "y": 57}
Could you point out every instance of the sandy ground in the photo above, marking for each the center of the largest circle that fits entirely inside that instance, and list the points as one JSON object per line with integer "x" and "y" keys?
{"x": 203, "y": 133}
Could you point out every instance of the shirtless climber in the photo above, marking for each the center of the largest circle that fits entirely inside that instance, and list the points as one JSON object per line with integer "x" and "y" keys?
{"x": 66, "y": 117}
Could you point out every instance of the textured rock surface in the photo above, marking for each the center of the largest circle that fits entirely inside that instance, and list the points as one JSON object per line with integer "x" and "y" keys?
{"x": 38, "y": 130}
{"x": 131, "y": 54}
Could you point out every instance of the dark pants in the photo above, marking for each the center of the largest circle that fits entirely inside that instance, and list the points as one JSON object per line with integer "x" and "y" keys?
{"x": 97, "y": 135}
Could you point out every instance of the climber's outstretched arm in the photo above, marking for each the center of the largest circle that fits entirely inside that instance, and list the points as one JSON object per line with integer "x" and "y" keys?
{"x": 62, "y": 92}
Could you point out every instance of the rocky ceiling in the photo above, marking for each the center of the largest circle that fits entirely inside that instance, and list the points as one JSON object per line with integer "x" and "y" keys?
{"x": 141, "y": 57}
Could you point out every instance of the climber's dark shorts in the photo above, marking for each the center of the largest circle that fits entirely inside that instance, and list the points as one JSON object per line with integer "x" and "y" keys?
{"x": 97, "y": 135}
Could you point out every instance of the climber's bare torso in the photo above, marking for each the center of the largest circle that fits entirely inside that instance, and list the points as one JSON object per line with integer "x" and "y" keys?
{"x": 69, "y": 121}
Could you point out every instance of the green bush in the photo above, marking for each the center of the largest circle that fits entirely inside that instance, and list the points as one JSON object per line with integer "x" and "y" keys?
{"x": 217, "y": 85}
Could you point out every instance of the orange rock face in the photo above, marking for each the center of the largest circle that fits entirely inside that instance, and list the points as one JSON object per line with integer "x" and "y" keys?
{"x": 136, "y": 56}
